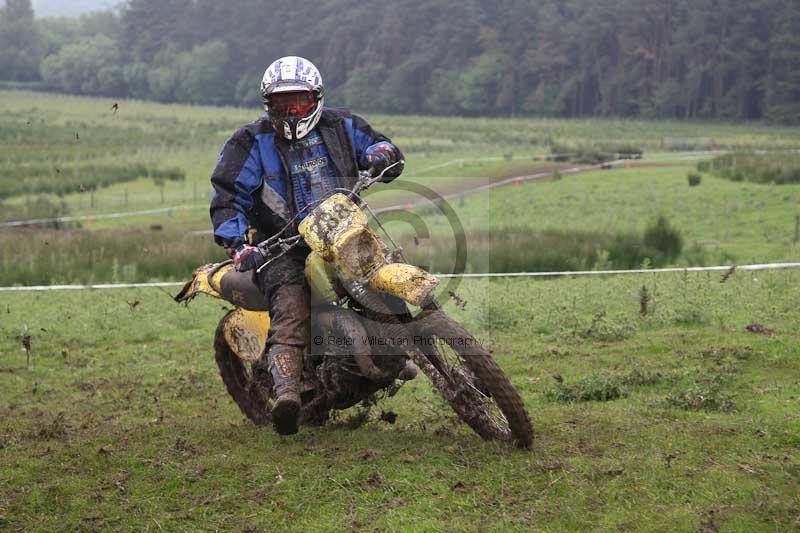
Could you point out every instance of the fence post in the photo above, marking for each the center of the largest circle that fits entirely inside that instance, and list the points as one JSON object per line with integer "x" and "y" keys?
{"x": 194, "y": 191}
{"x": 126, "y": 197}
{"x": 797, "y": 228}
{"x": 91, "y": 198}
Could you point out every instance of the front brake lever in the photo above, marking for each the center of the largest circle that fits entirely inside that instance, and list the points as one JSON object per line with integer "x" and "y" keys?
{"x": 364, "y": 181}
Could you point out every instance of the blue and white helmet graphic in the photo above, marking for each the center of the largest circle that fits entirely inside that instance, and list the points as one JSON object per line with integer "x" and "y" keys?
{"x": 292, "y": 74}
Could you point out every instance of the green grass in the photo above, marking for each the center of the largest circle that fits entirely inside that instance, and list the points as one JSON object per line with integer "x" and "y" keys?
{"x": 46, "y": 256}
{"x": 566, "y": 224}
{"x": 122, "y": 422}
{"x": 189, "y": 138}
{"x": 771, "y": 168}
{"x": 509, "y": 228}
{"x": 722, "y": 222}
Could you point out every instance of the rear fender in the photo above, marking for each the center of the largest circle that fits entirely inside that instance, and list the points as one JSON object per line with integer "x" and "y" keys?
{"x": 245, "y": 328}
{"x": 204, "y": 280}
{"x": 224, "y": 282}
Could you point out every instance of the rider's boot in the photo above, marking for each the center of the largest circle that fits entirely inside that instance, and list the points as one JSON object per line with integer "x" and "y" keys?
{"x": 283, "y": 285}
{"x": 286, "y": 366}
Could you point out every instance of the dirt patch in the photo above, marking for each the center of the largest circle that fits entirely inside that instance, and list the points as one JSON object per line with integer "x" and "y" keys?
{"x": 374, "y": 481}
{"x": 460, "y": 486}
{"x": 720, "y": 353}
{"x": 552, "y": 466}
{"x": 390, "y": 417}
{"x": 183, "y": 447}
{"x": 56, "y": 429}
{"x": 395, "y": 503}
{"x": 760, "y": 329}
{"x": 368, "y": 454}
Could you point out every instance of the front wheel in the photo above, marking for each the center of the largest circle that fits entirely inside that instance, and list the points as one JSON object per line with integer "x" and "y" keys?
{"x": 474, "y": 384}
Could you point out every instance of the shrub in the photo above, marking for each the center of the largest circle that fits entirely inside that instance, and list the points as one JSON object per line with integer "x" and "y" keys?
{"x": 626, "y": 250}
{"x": 702, "y": 397}
{"x": 169, "y": 174}
{"x": 624, "y": 151}
{"x": 663, "y": 238}
{"x": 605, "y": 329}
{"x": 583, "y": 155}
{"x": 639, "y": 377}
{"x": 595, "y": 388}
{"x": 694, "y": 179}
{"x": 777, "y": 168}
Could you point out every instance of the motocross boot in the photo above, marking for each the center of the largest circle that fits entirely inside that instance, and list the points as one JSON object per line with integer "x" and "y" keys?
{"x": 288, "y": 337}
{"x": 286, "y": 366}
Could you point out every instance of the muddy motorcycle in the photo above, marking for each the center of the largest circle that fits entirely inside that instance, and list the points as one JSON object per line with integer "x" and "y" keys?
{"x": 365, "y": 339}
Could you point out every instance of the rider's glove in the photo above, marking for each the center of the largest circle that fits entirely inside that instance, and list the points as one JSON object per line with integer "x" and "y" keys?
{"x": 381, "y": 156}
{"x": 247, "y": 257}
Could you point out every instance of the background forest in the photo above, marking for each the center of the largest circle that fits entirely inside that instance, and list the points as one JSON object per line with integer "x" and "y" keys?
{"x": 729, "y": 59}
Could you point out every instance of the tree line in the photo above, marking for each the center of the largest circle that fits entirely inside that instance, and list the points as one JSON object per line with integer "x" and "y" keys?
{"x": 725, "y": 59}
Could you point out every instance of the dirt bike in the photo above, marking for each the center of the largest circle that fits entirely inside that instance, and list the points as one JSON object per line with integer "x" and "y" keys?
{"x": 365, "y": 338}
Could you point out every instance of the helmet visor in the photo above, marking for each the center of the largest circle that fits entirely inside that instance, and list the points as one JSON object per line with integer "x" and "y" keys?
{"x": 299, "y": 104}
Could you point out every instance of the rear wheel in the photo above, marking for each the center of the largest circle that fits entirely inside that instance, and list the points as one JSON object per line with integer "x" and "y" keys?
{"x": 238, "y": 378}
{"x": 474, "y": 384}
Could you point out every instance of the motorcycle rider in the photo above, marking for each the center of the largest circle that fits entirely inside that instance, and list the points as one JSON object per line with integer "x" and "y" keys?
{"x": 267, "y": 175}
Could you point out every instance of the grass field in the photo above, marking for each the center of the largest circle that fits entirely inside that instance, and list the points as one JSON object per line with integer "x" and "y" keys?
{"x": 49, "y": 131}
{"x": 722, "y": 221}
{"x": 121, "y": 421}
{"x": 660, "y": 402}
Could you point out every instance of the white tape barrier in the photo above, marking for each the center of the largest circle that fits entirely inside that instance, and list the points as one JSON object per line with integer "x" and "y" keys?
{"x": 81, "y": 218}
{"x": 768, "y": 266}
{"x": 36, "y": 288}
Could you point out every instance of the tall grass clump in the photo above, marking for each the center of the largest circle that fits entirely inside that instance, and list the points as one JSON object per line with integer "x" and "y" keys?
{"x": 33, "y": 179}
{"x": 510, "y": 249}
{"x": 584, "y": 154}
{"x": 660, "y": 244}
{"x": 778, "y": 168}
{"x": 666, "y": 241}
{"x": 41, "y": 256}
{"x": 518, "y": 249}
{"x": 39, "y": 208}
{"x": 594, "y": 388}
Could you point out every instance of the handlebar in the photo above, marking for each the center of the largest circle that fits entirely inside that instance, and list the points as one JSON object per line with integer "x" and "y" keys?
{"x": 365, "y": 181}
{"x": 276, "y": 244}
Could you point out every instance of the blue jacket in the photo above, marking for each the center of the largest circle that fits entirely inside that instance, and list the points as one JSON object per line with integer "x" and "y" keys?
{"x": 252, "y": 182}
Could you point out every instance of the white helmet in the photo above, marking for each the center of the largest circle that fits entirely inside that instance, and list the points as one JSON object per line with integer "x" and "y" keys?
{"x": 292, "y": 93}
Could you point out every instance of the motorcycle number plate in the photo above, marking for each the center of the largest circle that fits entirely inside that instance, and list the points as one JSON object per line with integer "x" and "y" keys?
{"x": 331, "y": 219}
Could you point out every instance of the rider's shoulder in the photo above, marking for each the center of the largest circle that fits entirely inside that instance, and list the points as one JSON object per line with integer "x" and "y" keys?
{"x": 260, "y": 126}
{"x": 335, "y": 114}
{"x": 249, "y": 132}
